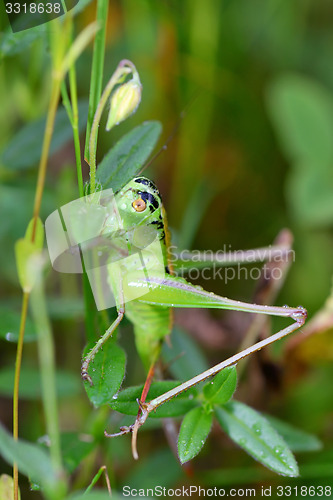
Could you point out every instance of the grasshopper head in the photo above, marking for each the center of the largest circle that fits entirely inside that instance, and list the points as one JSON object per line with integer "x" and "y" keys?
{"x": 139, "y": 202}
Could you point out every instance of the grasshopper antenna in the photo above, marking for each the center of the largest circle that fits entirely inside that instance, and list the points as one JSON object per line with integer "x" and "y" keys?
{"x": 175, "y": 129}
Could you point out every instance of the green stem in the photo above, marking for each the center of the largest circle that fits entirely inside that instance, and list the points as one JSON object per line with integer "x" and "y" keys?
{"x": 38, "y": 198}
{"x": 64, "y": 6}
{"x": 124, "y": 68}
{"x": 66, "y": 101}
{"x": 90, "y": 309}
{"x": 96, "y": 79}
{"x": 54, "y": 98}
{"x": 75, "y": 125}
{"x": 47, "y": 367}
{"x": 18, "y": 363}
{"x": 96, "y": 478}
{"x": 71, "y": 106}
{"x": 89, "y": 315}
{"x": 55, "y": 93}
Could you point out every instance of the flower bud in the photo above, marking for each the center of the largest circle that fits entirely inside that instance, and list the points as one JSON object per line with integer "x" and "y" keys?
{"x": 124, "y": 102}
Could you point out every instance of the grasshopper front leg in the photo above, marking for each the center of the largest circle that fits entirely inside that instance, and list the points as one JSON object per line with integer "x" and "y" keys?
{"x": 92, "y": 353}
{"x": 119, "y": 295}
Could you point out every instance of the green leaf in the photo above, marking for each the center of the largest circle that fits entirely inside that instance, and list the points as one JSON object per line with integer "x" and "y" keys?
{"x": 25, "y": 148}
{"x": 107, "y": 371}
{"x": 128, "y": 156}
{"x": 31, "y": 459}
{"x": 302, "y": 112}
{"x": 252, "y": 432}
{"x": 10, "y": 326}
{"x": 222, "y": 387}
{"x": 75, "y": 447}
{"x": 296, "y": 439}
{"x": 183, "y": 356}
{"x": 25, "y": 250}
{"x": 309, "y": 193}
{"x": 7, "y": 488}
{"x": 125, "y": 402}
{"x": 67, "y": 383}
{"x": 193, "y": 433}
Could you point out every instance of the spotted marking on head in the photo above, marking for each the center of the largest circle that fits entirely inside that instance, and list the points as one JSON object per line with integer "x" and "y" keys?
{"x": 149, "y": 198}
{"x": 147, "y": 182}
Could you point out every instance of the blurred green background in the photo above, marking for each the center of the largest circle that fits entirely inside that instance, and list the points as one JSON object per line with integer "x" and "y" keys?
{"x": 252, "y": 154}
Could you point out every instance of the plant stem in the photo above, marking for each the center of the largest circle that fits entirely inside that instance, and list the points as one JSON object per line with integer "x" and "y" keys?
{"x": 73, "y": 113}
{"x": 124, "y": 68}
{"x": 18, "y": 362}
{"x": 47, "y": 367}
{"x": 75, "y": 125}
{"x": 38, "y": 198}
{"x": 96, "y": 478}
{"x": 89, "y": 316}
{"x": 66, "y": 102}
{"x": 55, "y": 93}
{"x": 96, "y": 79}
{"x": 71, "y": 106}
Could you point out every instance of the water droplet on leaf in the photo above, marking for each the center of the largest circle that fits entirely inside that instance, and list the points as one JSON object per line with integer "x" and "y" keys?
{"x": 257, "y": 428}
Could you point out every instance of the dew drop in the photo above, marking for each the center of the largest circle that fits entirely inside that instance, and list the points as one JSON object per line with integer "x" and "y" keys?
{"x": 242, "y": 442}
{"x": 257, "y": 428}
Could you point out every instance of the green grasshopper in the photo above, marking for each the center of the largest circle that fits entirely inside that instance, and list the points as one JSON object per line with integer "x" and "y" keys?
{"x": 142, "y": 217}
{"x": 135, "y": 243}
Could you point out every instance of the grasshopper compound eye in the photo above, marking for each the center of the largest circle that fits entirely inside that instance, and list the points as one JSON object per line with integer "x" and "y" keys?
{"x": 139, "y": 205}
